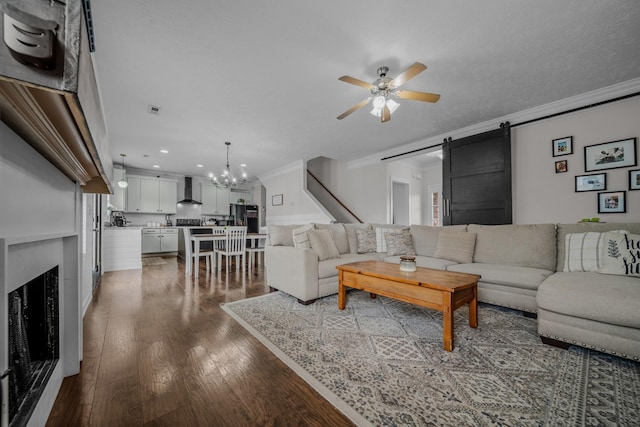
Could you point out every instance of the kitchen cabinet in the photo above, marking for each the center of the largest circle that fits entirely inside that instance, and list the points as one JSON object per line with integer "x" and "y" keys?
{"x": 244, "y": 195}
{"x": 151, "y": 195}
{"x": 214, "y": 200}
{"x": 156, "y": 240}
{"x": 119, "y": 197}
{"x": 133, "y": 195}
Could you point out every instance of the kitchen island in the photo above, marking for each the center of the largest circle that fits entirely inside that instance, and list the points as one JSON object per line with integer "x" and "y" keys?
{"x": 121, "y": 248}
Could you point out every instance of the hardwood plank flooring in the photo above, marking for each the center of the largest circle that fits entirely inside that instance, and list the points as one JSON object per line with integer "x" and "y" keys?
{"x": 159, "y": 351}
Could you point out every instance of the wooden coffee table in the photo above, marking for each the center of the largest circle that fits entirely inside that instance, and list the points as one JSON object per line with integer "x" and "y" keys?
{"x": 437, "y": 289}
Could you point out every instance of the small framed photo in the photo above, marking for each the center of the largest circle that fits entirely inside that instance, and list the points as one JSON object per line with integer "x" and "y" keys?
{"x": 561, "y": 166}
{"x": 562, "y": 146}
{"x": 612, "y": 202}
{"x": 610, "y": 155}
{"x": 277, "y": 200}
{"x": 594, "y": 182}
{"x": 634, "y": 179}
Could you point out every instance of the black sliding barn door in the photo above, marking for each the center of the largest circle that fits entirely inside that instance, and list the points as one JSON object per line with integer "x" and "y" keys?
{"x": 476, "y": 181}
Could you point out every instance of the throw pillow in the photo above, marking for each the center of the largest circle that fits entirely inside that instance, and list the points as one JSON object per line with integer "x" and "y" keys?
{"x": 399, "y": 243}
{"x": 381, "y": 243}
{"x": 339, "y": 236}
{"x": 456, "y": 246}
{"x": 351, "y": 235}
{"x": 280, "y": 235}
{"x": 300, "y": 237}
{"x": 366, "y": 241}
{"x": 583, "y": 251}
{"x": 322, "y": 242}
{"x": 621, "y": 254}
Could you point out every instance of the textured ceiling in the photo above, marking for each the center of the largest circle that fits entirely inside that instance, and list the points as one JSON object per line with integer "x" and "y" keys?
{"x": 264, "y": 75}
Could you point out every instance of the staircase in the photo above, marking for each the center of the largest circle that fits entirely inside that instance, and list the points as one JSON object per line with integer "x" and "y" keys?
{"x": 330, "y": 201}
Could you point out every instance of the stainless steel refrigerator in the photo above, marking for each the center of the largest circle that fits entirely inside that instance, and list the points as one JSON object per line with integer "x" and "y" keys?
{"x": 245, "y": 215}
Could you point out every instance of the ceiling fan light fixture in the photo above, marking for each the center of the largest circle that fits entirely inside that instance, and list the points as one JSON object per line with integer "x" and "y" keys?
{"x": 392, "y": 105}
{"x": 379, "y": 103}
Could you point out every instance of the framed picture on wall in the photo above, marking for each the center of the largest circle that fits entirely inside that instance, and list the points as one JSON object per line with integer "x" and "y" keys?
{"x": 561, "y": 166}
{"x": 562, "y": 146}
{"x": 610, "y": 155}
{"x": 594, "y": 182}
{"x": 612, "y": 202}
{"x": 634, "y": 179}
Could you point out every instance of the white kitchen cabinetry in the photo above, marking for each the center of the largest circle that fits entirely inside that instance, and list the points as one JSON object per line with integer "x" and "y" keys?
{"x": 244, "y": 195}
{"x": 133, "y": 195}
{"x": 156, "y": 240}
{"x": 151, "y": 195}
{"x": 119, "y": 197}
{"x": 169, "y": 240}
{"x": 222, "y": 202}
{"x": 214, "y": 200}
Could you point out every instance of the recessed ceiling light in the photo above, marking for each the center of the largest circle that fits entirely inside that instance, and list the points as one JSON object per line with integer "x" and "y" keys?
{"x": 164, "y": 151}
{"x": 200, "y": 166}
{"x": 156, "y": 166}
{"x": 243, "y": 165}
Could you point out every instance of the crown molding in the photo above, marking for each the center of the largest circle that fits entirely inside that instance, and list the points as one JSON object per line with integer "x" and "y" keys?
{"x": 586, "y": 99}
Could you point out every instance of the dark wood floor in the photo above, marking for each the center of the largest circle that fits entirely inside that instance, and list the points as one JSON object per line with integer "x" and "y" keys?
{"x": 159, "y": 350}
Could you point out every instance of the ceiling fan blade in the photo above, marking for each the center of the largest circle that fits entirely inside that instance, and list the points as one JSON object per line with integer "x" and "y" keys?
{"x": 357, "y": 82}
{"x": 354, "y": 108}
{"x": 407, "y": 74}
{"x": 417, "y": 96}
{"x": 386, "y": 115}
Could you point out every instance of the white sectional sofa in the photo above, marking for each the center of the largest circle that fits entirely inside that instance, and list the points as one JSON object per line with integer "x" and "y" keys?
{"x": 522, "y": 267}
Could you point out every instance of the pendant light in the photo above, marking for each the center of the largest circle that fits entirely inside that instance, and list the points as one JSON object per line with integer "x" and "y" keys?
{"x": 123, "y": 182}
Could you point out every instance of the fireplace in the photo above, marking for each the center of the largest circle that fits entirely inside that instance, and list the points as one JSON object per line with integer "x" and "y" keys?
{"x": 33, "y": 324}
{"x": 40, "y": 323}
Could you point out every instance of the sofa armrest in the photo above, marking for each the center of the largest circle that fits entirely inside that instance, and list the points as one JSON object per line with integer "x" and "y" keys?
{"x": 292, "y": 270}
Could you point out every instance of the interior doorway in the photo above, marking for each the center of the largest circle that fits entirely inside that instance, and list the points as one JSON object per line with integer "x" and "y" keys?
{"x": 400, "y": 201}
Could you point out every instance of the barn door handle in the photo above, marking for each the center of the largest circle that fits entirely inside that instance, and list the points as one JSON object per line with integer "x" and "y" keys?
{"x": 447, "y": 207}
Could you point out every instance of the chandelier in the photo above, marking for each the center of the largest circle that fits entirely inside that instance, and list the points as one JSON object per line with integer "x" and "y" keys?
{"x": 227, "y": 179}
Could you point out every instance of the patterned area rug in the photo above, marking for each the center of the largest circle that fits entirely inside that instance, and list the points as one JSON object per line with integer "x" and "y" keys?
{"x": 381, "y": 362}
{"x": 153, "y": 260}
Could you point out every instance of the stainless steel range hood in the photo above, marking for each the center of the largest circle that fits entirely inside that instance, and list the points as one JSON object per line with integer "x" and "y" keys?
{"x": 188, "y": 193}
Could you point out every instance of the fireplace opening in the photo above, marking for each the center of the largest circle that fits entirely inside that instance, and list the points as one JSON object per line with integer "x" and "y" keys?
{"x": 33, "y": 343}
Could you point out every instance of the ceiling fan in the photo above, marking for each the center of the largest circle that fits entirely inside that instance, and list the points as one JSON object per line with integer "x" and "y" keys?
{"x": 385, "y": 88}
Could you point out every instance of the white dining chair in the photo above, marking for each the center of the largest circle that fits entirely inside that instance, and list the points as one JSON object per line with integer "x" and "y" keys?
{"x": 256, "y": 251}
{"x": 189, "y": 256}
{"x": 235, "y": 244}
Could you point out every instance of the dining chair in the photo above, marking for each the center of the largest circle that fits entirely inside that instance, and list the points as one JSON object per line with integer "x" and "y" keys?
{"x": 217, "y": 244}
{"x": 189, "y": 257}
{"x": 235, "y": 244}
{"x": 256, "y": 251}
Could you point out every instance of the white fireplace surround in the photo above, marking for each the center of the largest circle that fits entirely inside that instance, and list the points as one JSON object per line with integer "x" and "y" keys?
{"x": 23, "y": 259}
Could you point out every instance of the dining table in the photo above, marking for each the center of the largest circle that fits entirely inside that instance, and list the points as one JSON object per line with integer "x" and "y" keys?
{"x": 217, "y": 236}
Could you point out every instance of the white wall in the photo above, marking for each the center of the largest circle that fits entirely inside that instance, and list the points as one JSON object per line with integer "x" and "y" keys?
{"x": 539, "y": 194}
{"x": 297, "y": 205}
{"x": 36, "y": 197}
{"x": 542, "y": 196}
